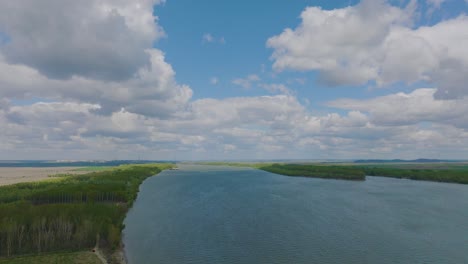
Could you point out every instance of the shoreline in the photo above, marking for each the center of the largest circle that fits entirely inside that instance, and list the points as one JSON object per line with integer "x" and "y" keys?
{"x": 119, "y": 255}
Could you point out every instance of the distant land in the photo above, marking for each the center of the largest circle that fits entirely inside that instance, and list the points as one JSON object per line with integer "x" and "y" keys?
{"x": 73, "y": 163}
{"x": 405, "y": 161}
{"x": 104, "y": 163}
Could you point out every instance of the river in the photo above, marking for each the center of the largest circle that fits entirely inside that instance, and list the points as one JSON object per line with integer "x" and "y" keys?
{"x": 209, "y": 214}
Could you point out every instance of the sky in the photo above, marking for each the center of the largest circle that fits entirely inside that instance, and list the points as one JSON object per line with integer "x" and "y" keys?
{"x": 233, "y": 80}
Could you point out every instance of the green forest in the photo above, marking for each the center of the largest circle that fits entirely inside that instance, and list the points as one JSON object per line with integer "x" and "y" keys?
{"x": 317, "y": 171}
{"x": 69, "y": 213}
{"x": 437, "y": 175}
{"x": 352, "y": 172}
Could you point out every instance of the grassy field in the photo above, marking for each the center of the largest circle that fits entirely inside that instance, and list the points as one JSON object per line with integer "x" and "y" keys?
{"x": 70, "y": 213}
{"x": 85, "y": 257}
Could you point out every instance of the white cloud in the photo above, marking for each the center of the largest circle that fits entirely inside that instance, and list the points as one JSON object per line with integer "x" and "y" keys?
{"x": 248, "y": 127}
{"x": 97, "y": 39}
{"x": 209, "y": 38}
{"x": 337, "y": 41}
{"x": 436, "y": 3}
{"x": 143, "y": 109}
{"x": 214, "y": 80}
{"x": 374, "y": 41}
{"x": 152, "y": 91}
{"x": 410, "y": 109}
{"x": 276, "y": 88}
{"x": 246, "y": 82}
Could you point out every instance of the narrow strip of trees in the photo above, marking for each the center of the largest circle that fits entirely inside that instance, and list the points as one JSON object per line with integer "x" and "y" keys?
{"x": 448, "y": 175}
{"x": 317, "y": 171}
{"x": 346, "y": 172}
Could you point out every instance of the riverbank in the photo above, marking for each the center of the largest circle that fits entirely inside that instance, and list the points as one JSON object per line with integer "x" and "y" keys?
{"x": 70, "y": 213}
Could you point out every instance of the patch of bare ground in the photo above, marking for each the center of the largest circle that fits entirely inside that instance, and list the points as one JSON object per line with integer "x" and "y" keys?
{"x": 11, "y": 175}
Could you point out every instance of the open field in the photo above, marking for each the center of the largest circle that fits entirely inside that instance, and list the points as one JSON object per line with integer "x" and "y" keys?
{"x": 85, "y": 257}
{"x": 11, "y": 175}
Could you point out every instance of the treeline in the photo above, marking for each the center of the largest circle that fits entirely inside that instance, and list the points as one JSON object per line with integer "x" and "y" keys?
{"x": 26, "y": 229}
{"x": 346, "y": 172}
{"x": 69, "y": 213}
{"x": 454, "y": 176}
{"x": 317, "y": 171}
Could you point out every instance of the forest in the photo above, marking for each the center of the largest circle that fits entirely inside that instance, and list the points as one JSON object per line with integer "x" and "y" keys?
{"x": 351, "y": 172}
{"x": 69, "y": 213}
{"x": 437, "y": 175}
{"x": 317, "y": 171}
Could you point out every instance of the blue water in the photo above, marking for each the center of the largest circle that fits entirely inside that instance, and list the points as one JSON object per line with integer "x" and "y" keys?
{"x": 202, "y": 214}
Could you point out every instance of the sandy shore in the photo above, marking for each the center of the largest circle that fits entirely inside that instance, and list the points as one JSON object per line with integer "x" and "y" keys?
{"x": 11, "y": 175}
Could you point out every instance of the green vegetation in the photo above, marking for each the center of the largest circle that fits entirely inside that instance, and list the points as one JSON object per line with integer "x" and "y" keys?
{"x": 86, "y": 257}
{"x": 61, "y": 175}
{"x": 69, "y": 213}
{"x": 94, "y": 168}
{"x": 440, "y": 175}
{"x": 420, "y": 166}
{"x": 438, "y": 172}
{"x": 316, "y": 171}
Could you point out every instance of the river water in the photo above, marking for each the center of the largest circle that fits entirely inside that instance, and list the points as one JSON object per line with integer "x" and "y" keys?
{"x": 208, "y": 214}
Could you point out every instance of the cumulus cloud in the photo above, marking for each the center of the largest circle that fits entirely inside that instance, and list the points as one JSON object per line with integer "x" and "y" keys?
{"x": 68, "y": 96}
{"x": 251, "y": 127}
{"x": 94, "y": 51}
{"x": 202, "y": 125}
{"x": 152, "y": 91}
{"x": 95, "y": 39}
{"x": 91, "y": 68}
{"x": 436, "y": 3}
{"x": 409, "y": 109}
{"x": 276, "y": 88}
{"x": 246, "y": 82}
{"x": 209, "y": 38}
{"x": 214, "y": 80}
{"x": 375, "y": 41}
{"x": 336, "y": 41}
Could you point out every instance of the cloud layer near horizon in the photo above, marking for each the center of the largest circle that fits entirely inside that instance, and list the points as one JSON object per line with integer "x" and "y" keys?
{"x": 107, "y": 93}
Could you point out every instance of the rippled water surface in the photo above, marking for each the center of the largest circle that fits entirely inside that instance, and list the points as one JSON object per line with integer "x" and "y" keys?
{"x": 202, "y": 214}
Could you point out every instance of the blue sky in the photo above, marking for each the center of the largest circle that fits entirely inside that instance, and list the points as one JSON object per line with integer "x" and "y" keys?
{"x": 242, "y": 79}
{"x": 245, "y": 27}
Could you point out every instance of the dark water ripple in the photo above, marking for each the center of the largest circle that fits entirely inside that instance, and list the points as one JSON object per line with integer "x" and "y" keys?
{"x": 230, "y": 215}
